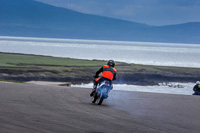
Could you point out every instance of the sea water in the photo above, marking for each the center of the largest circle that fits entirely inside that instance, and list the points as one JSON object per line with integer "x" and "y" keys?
{"x": 147, "y": 53}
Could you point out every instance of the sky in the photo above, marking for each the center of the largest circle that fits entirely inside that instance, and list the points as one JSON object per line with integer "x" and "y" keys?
{"x": 152, "y": 12}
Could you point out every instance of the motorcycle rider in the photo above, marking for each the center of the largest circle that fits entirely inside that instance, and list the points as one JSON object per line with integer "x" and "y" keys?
{"x": 108, "y": 73}
{"x": 196, "y": 88}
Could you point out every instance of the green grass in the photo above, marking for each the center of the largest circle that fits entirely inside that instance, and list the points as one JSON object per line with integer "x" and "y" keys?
{"x": 20, "y": 60}
{"x": 59, "y": 64}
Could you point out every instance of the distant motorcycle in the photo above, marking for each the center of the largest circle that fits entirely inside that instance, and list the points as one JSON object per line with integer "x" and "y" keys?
{"x": 102, "y": 92}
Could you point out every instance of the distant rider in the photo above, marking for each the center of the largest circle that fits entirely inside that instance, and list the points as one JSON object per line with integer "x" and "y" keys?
{"x": 108, "y": 73}
{"x": 196, "y": 88}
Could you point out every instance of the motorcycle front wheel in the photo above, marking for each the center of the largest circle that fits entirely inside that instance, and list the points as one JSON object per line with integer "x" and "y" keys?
{"x": 94, "y": 98}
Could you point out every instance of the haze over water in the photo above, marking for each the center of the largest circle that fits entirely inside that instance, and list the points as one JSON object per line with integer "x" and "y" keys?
{"x": 147, "y": 53}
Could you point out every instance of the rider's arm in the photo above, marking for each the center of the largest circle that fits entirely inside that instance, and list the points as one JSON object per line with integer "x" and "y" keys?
{"x": 114, "y": 77}
{"x": 98, "y": 72}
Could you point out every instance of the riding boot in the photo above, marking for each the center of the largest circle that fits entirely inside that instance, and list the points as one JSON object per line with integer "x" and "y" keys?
{"x": 94, "y": 89}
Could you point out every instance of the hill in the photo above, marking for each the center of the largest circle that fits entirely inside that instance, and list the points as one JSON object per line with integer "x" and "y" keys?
{"x": 36, "y": 19}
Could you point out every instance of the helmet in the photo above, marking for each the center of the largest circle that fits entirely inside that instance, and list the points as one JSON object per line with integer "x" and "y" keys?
{"x": 111, "y": 63}
{"x": 198, "y": 82}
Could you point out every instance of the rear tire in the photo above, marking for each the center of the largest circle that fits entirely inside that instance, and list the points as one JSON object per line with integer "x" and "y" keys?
{"x": 100, "y": 101}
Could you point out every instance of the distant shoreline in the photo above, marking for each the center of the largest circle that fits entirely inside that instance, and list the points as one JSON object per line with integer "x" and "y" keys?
{"x": 22, "y": 68}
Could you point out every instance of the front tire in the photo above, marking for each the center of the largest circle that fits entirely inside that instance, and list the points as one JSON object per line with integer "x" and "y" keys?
{"x": 94, "y": 98}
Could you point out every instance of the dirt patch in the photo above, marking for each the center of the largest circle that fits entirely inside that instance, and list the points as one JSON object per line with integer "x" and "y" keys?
{"x": 49, "y": 83}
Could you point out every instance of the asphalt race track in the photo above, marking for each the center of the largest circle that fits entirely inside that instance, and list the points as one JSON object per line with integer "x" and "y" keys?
{"x": 29, "y": 108}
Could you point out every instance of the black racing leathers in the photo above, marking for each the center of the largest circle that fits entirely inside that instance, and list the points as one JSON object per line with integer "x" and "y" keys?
{"x": 196, "y": 88}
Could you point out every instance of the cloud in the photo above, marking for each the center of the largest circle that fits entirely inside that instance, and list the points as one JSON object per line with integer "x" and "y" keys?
{"x": 186, "y": 3}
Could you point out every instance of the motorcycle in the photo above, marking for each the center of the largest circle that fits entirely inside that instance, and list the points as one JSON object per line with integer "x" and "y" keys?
{"x": 102, "y": 92}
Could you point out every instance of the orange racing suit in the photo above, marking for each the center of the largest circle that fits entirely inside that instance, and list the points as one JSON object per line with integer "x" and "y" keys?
{"x": 108, "y": 73}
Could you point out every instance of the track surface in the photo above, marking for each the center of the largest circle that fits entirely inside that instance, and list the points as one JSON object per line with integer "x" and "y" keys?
{"x": 27, "y": 108}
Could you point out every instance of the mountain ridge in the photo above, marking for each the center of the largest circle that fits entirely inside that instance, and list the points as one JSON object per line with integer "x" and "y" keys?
{"x": 35, "y": 19}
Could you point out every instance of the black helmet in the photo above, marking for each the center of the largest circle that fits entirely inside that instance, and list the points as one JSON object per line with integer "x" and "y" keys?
{"x": 111, "y": 63}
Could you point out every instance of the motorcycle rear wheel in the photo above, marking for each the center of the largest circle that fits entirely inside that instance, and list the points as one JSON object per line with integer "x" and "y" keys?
{"x": 99, "y": 101}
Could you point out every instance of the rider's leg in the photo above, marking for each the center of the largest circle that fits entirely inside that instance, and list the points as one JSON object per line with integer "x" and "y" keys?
{"x": 196, "y": 93}
{"x": 95, "y": 82}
